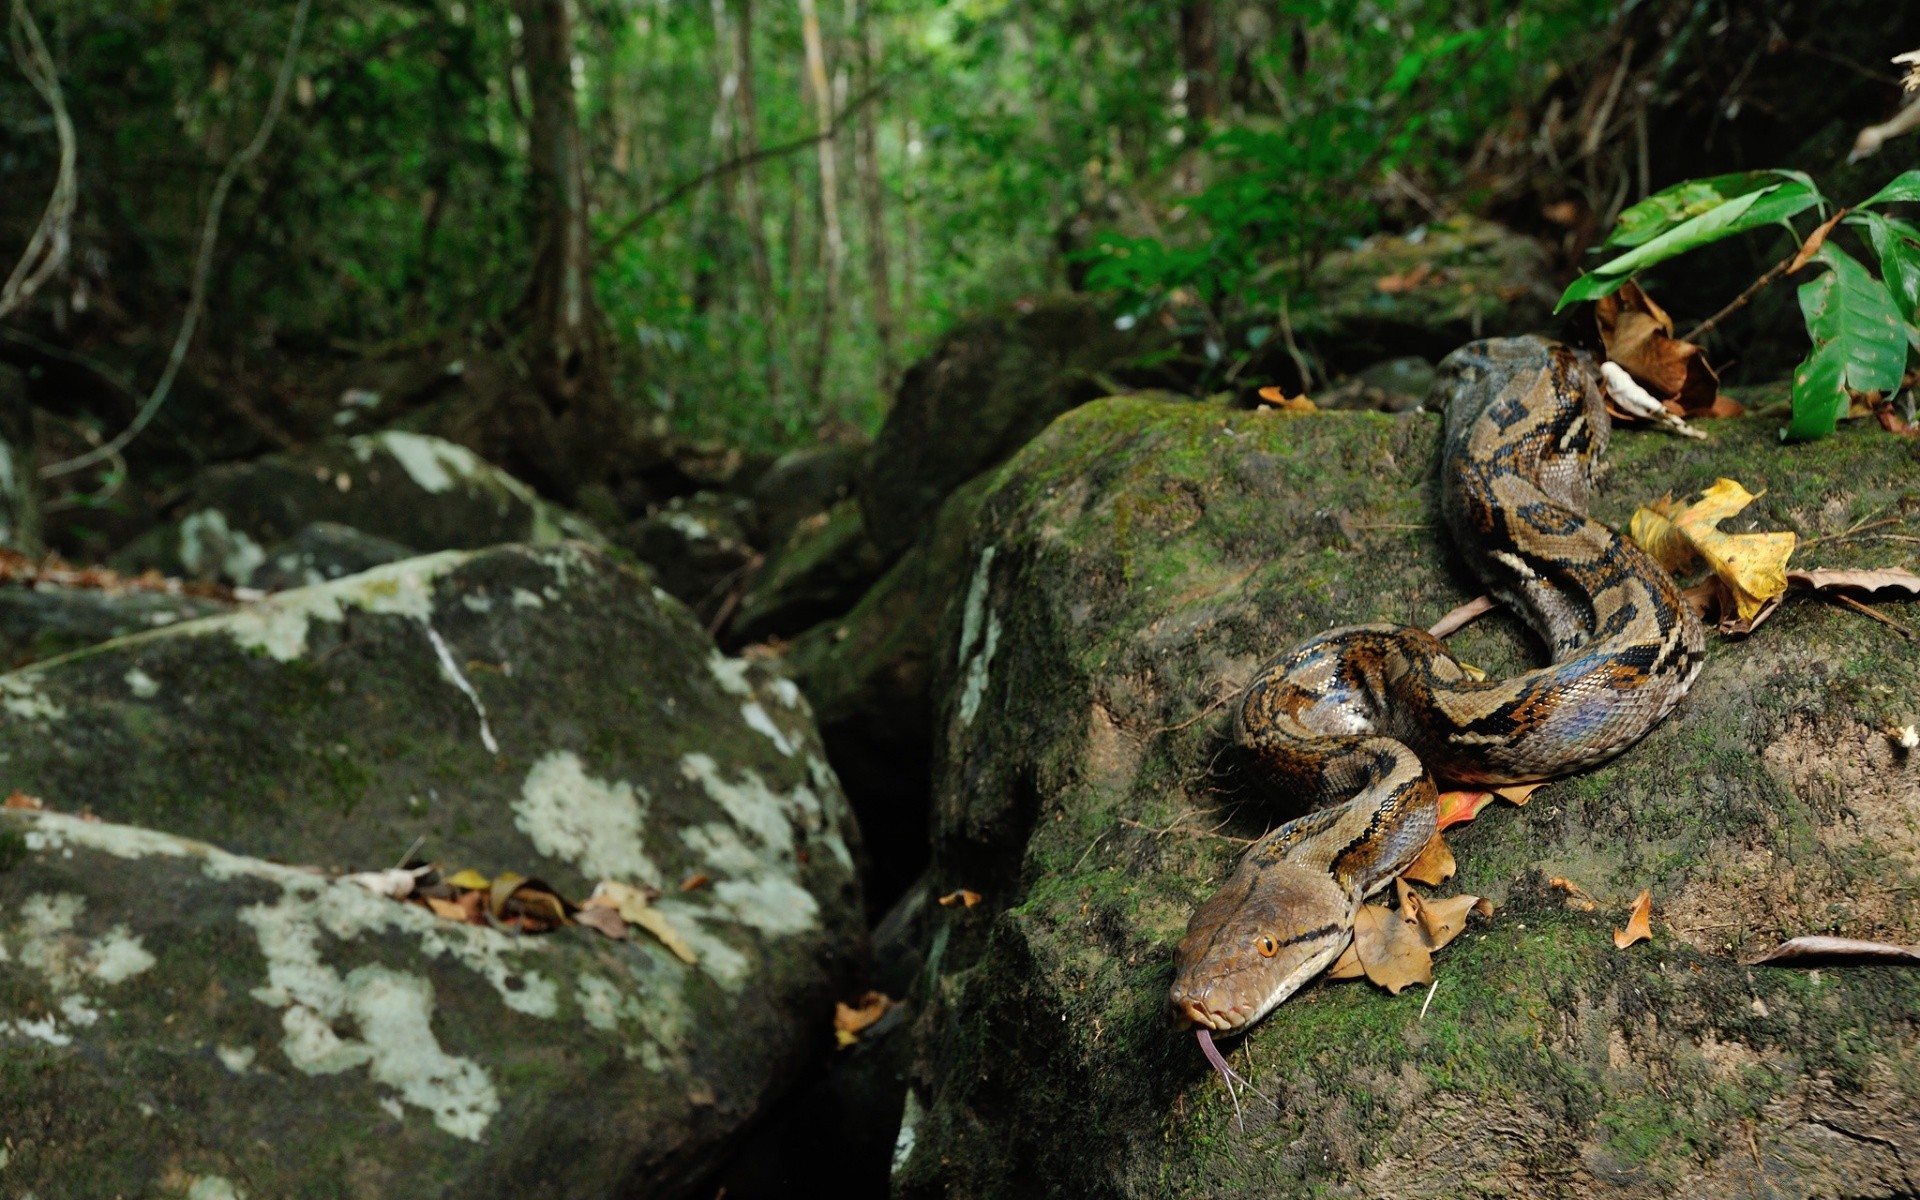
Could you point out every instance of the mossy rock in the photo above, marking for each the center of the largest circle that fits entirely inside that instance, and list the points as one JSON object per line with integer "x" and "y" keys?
{"x": 407, "y": 488}
{"x": 1427, "y": 291}
{"x": 1131, "y": 570}
{"x": 540, "y": 710}
{"x": 867, "y": 676}
{"x": 46, "y": 620}
{"x": 697, "y": 546}
{"x": 819, "y": 571}
{"x": 981, "y": 394}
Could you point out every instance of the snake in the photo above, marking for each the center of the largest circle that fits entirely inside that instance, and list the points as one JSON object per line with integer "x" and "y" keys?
{"x": 1356, "y": 724}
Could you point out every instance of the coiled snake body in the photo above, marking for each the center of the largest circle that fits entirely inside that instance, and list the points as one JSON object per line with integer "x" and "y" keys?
{"x": 1358, "y": 721}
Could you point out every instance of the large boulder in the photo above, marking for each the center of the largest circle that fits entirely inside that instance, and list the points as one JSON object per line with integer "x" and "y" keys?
{"x": 867, "y": 676}
{"x": 407, "y": 488}
{"x": 174, "y": 1005}
{"x": 1131, "y": 570}
{"x": 1426, "y": 291}
{"x": 48, "y": 620}
{"x": 981, "y": 394}
{"x": 820, "y": 570}
{"x": 698, "y": 548}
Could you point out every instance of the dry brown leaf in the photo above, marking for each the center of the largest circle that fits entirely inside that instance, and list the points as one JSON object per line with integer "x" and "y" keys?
{"x": 962, "y": 897}
{"x": 452, "y": 910}
{"x": 1412, "y": 279}
{"x": 1434, "y": 866}
{"x": 635, "y": 906}
{"x": 1752, "y": 567}
{"x": 698, "y": 879}
{"x": 655, "y": 922}
{"x": 1390, "y": 949}
{"x": 1822, "y": 579}
{"x": 1639, "y": 923}
{"x": 1892, "y": 421}
{"x": 1815, "y": 240}
{"x": 1577, "y": 897}
{"x": 22, "y": 800}
{"x": 603, "y": 920}
{"x": 1441, "y": 921}
{"x": 1638, "y": 334}
{"x": 1833, "y": 951}
{"x": 1517, "y": 794}
{"x": 1275, "y": 399}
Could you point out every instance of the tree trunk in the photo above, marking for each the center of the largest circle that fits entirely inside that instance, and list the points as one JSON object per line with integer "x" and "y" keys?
{"x": 873, "y": 198}
{"x": 746, "y": 133}
{"x": 1200, "y": 59}
{"x": 833, "y": 247}
{"x": 567, "y": 350}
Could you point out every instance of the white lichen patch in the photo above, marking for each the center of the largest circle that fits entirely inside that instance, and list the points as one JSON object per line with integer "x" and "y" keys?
{"x": 278, "y": 624}
{"x": 787, "y": 692}
{"x": 522, "y": 598}
{"x": 730, "y": 673}
{"x": 141, "y": 684}
{"x": 976, "y": 606}
{"x": 210, "y": 547}
{"x": 975, "y": 688}
{"x": 238, "y": 1059}
{"x": 21, "y": 696}
{"x": 434, "y": 464}
{"x": 759, "y": 721}
{"x": 46, "y": 942}
{"x": 477, "y": 602}
{"x": 910, "y": 1118}
{"x": 214, "y": 1187}
{"x": 597, "y": 825}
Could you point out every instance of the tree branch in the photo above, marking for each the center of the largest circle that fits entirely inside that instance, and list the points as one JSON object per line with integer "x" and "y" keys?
{"x": 203, "y": 262}
{"x": 46, "y": 250}
{"x": 686, "y": 187}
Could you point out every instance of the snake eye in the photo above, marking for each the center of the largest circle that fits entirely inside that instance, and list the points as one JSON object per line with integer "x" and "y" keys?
{"x": 1268, "y": 947}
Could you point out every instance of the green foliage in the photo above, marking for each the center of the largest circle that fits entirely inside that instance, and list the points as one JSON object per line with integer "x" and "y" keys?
{"x": 1861, "y": 326}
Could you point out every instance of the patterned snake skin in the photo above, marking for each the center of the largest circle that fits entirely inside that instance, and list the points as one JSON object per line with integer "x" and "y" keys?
{"x": 1358, "y": 721}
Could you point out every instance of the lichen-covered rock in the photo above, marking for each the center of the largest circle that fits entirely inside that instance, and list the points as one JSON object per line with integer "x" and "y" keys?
{"x": 697, "y": 546}
{"x": 1426, "y": 292}
{"x": 324, "y": 550}
{"x": 48, "y": 620}
{"x": 1131, "y": 569}
{"x": 802, "y": 483}
{"x": 822, "y": 568}
{"x": 982, "y": 393}
{"x": 407, "y": 488}
{"x": 866, "y": 675}
{"x": 540, "y": 710}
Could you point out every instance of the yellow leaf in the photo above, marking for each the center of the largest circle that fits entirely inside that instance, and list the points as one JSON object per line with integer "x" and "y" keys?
{"x": 1751, "y": 566}
{"x": 655, "y": 922}
{"x": 469, "y": 879}
{"x": 1639, "y": 927}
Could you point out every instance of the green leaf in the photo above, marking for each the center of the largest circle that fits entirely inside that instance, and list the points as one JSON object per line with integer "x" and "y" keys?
{"x": 1737, "y": 215}
{"x": 1590, "y": 287}
{"x": 1904, "y": 186}
{"x": 1751, "y": 210}
{"x": 1684, "y": 201}
{"x": 1895, "y": 244}
{"x": 1860, "y": 343}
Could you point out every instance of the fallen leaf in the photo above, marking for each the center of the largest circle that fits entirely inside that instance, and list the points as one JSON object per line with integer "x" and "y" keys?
{"x": 1577, "y": 897}
{"x": 1434, "y": 866}
{"x": 1390, "y": 949}
{"x": 1752, "y": 567}
{"x": 470, "y": 879}
{"x": 395, "y": 884}
{"x": 1517, "y": 794}
{"x": 963, "y": 896}
{"x": 1821, "y": 579}
{"x": 850, "y": 1019}
{"x": 602, "y": 920}
{"x": 22, "y": 800}
{"x": 1638, "y": 335}
{"x": 1457, "y": 808}
{"x": 1417, "y": 276}
{"x": 1823, "y": 951}
{"x": 1892, "y": 421}
{"x": 698, "y": 879}
{"x": 655, "y": 922}
{"x": 465, "y": 910}
{"x": 1277, "y": 399}
{"x": 1639, "y": 926}
{"x": 1441, "y": 921}
{"x": 501, "y": 890}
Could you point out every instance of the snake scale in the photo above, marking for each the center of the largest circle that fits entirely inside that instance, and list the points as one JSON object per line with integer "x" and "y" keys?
{"x": 1357, "y": 722}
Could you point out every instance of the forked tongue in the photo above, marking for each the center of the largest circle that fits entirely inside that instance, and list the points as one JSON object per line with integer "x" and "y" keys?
{"x": 1229, "y": 1076}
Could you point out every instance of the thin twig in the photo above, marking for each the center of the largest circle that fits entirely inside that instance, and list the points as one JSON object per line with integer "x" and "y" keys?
{"x": 686, "y": 187}
{"x": 46, "y": 250}
{"x": 1847, "y": 533}
{"x": 203, "y": 261}
{"x": 1739, "y": 302}
{"x": 1868, "y": 611}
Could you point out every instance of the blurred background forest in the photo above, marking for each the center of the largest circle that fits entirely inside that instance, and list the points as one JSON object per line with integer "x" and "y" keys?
{"x": 768, "y": 210}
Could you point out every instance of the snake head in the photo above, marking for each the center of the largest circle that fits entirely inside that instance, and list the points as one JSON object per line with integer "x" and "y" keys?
{"x": 1273, "y": 927}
